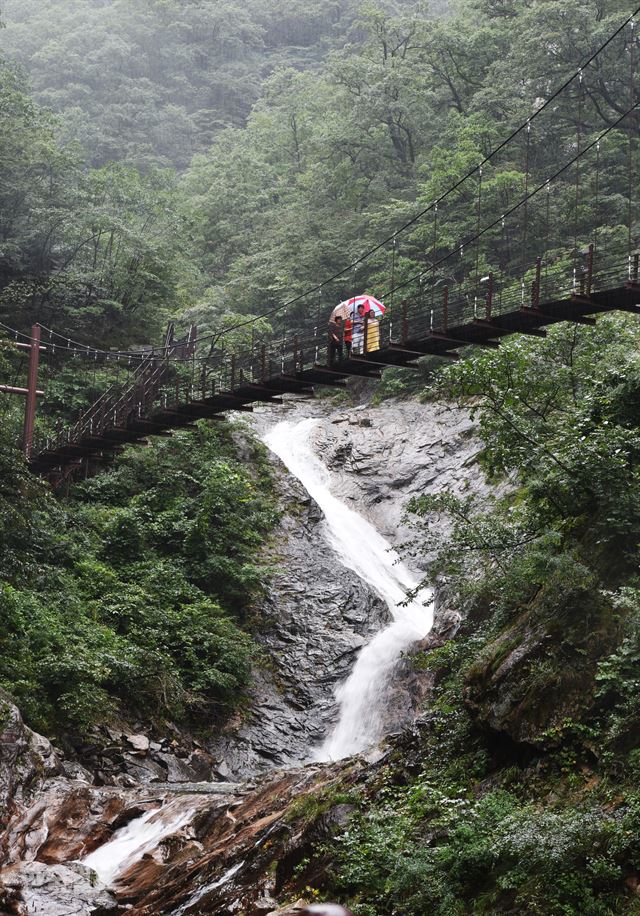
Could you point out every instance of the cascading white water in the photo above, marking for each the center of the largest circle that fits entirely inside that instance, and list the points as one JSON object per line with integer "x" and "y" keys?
{"x": 361, "y": 548}
{"x": 140, "y": 836}
{"x": 207, "y": 888}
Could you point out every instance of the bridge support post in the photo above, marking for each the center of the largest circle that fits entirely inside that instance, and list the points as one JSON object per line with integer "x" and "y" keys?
{"x": 32, "y": 392}
{"x": 489, "y": 299}
{"x": 445, "y": 309}
{"x": 589, "y": 269}
{"x": 535, "y": 288}
{"x": 405, "y": 322}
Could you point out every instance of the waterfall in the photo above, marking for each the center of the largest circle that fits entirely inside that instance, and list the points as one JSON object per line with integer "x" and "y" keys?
{"x": 361, "y": 548}
{"x": 140, "y": 836}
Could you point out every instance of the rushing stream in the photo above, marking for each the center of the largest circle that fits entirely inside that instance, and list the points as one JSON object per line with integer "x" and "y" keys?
{"x": 361, "y": 548}
{"x": 141, "y": 836}
{"x": 361, "y": 698}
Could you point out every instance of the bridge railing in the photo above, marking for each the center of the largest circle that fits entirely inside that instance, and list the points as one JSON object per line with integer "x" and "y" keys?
{"x": 157, "y": 383}
{"x": 550, "y": 213}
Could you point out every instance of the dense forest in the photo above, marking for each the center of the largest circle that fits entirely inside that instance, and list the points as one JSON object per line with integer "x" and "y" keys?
{"x": 195, "y": 160}
{"x": 298, "y": 169}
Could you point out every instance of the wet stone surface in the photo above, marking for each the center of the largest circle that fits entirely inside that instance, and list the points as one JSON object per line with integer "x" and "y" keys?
{"x": 317, "y": 614}
{"x": 315, "y": 618}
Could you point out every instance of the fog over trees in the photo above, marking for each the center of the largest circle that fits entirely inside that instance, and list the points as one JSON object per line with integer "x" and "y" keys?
{"x": 154, "y": 81}
{"x": 163, "y": 155}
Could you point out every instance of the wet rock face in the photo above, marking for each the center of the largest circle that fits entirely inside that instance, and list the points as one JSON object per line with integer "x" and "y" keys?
{"x": 315, "y": 618}
{"x": 25, "y": 759}
{"x": 243, "y": 858}
{"x": 240, "y": 852}
{"x": 317, "y": 615}
{"x": 541, "y": 670}
{"x": 41, "y": 871}
{"x": 228, "y": 849}
{"x": 61, "y": 890}
{"x": 382, "y": 456}
{"x": 117, "y": 757}
{"x": 45, "y": 815}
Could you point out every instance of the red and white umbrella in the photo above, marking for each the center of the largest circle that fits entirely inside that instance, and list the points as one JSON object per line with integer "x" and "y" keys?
{"x": 347, "y": 309}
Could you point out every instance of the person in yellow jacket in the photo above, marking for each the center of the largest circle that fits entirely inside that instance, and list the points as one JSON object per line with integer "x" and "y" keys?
{"x": 373, "y": 333}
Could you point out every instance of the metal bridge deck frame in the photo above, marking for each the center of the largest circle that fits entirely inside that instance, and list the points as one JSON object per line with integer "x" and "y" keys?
{"x": 56, "y": 464}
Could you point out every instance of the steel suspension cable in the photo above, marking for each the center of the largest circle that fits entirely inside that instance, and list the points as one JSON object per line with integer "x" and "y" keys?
{"x": 577, "y": 201}
{"x": 418, "y": 276}
{"x": 478, "y": 219}
{"x": 433, "y": 256}
{"x": 306, "y": 293}
{"x": 545, "y": 186}
{"x": 630, "y": 168}
{"x": 77, "y": 349}
{"x": 547, "y": 229}
{"x": 525, "y": 228}
{"x": 520, "y": 203}
{"x": 597, "y": 200}
{"x": 303, "y": 295}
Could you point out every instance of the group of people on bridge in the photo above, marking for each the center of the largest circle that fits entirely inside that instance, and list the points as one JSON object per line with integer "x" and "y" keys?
{"x": 354, "y": 328}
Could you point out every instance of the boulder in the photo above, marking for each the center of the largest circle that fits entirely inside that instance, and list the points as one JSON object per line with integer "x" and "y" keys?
{"x": 60, "y": 890}
{"x": 25, "y": 759}
{"x": 138, "y": 742}
{"x": 540, "y": 671}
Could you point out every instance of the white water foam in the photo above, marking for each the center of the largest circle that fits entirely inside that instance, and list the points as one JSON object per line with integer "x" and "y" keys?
{"x": 195, "y": 898}
{"x": 361, "y": 548}
{"x": 140, "y": 836}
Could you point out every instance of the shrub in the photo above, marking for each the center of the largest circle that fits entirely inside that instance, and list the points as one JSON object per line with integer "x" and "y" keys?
{"x": 130, "y": 596}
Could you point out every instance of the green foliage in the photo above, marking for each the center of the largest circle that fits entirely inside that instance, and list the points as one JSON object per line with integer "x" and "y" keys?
{"x": 133, "y": 595}
{"x": 314, "y": 805}
{"x": 154, "y": 82}
{"x": 618, "y": 682}
{"x": 404, "y": 383}
{"x": 317, "y": 128}
{"x": 558, "y": 421}
{"x": 330, "y": 163}
{"x": 554, "y": 555}
{"x": 88, "y": 250}
{"x": 424, "y": 850}
{"x": 304, "y": 135}
{"x": 545, "y": 576}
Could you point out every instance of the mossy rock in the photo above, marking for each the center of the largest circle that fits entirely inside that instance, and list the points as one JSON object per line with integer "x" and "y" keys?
{"x": 540, "y": 671}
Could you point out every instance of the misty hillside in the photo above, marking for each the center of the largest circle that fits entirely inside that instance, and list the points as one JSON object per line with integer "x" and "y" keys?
{"x": 155, "y": 82}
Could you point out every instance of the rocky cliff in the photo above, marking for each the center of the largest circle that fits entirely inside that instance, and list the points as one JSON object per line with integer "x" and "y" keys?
{"x": 316, "y": 614}
{"x": 227, "y": 849}
{"x": 243, "y": 844}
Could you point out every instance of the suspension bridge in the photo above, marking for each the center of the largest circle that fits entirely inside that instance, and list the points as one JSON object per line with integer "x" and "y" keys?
{"x": 558, "y": 242}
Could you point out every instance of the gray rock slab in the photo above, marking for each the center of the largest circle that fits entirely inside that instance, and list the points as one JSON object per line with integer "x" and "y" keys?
{"x": 317, "y": 615}
{"x": 55, "y": 890}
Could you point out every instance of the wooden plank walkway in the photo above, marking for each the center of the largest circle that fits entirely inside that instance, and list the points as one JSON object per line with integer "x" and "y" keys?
{"x": 63, "y": 460}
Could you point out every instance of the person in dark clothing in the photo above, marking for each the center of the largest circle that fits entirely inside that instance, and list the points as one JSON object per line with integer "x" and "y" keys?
{"x": 336, "y": 339}
{"x": 348, "y": 336}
